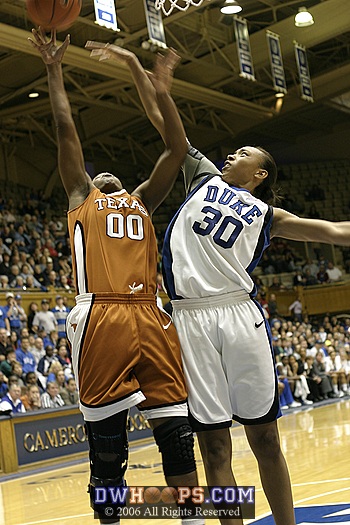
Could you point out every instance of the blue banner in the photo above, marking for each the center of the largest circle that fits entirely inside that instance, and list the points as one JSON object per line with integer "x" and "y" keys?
{"x": 279, "y": 80}
{"x": 243, "y": 48}
{"x": 154, "y": 24}
{"x": 105, "y": 14}
{"x": 304, "y": 74}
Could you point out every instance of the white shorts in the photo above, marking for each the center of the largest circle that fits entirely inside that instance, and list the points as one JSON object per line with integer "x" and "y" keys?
{"x": 228, "y": 360}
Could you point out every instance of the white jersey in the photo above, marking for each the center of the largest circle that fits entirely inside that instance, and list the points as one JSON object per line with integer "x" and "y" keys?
{"x": 216, "y": 238}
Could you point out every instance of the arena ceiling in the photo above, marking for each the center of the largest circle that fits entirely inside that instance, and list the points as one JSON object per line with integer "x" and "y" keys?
{"x": 219, "y": 108}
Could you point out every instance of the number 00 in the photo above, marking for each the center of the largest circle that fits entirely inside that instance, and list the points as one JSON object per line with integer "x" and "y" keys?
{"x": 117, "y": 224}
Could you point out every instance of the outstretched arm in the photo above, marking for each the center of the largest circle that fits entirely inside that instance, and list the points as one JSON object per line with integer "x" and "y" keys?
{"x": 141, "y": 78}
{"x": 295, "y": 228}
{"x": 154, "y": 190}
{"x": 154, "y": 91}
{"x": 70, "y": 155}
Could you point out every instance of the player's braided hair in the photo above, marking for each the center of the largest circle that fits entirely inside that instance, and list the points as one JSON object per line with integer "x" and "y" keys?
{"x": 267, "y": 191}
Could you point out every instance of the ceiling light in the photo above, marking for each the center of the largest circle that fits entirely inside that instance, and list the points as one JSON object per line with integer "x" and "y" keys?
{"x": 303, "y": 18}
{"x": 279, "y": 95}
{"x": 34, "y": 94}
{"x": 230, "y": 7}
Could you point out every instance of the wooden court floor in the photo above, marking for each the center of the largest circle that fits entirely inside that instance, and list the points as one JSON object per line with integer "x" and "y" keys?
{"x": 316, "y": 443}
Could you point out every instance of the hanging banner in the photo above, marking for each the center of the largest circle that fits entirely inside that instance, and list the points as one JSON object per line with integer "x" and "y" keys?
{"x": 154, "y": 24}
{"x": 304, "y": 74}
{"x": 243, "y": 48}
{"x": 279, "y": 80}
{"x": 105, "y": 14}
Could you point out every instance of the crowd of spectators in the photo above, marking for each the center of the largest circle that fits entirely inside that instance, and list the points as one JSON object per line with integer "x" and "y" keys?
{"x": 281, "y": 258}
{"x": 312, "y": 357}
{"x": 35, "y": 364}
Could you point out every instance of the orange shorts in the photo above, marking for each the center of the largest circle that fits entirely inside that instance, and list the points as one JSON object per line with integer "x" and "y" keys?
{"x": 125, "y": 352}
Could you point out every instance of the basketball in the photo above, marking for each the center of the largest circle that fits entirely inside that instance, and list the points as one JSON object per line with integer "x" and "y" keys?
{"x": 152, "y": 495}
{"x": 53, "y": 14}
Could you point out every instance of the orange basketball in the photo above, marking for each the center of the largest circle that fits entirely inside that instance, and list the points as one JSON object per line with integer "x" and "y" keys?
{"x": 152, "y": 495}
{"x": 53, "y": 14}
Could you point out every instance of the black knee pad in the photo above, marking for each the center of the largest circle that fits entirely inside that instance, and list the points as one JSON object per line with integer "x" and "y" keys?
{"x": 108, "y": 460}
{"x": 175, "y": 442}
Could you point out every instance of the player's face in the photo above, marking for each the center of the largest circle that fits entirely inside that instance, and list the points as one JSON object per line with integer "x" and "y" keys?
{"x": 107, "y": 183}
{"x": 241, "y": 166}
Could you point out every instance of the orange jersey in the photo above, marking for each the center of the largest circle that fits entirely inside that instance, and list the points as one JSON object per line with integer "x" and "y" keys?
{"x": 114, "y": 247}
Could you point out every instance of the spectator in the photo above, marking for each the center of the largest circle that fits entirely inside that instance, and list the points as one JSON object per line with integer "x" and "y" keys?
{"x": 60, "y": 380}
{"x": 30, "y": 280}
{"x": 12, "y": 313}
{"x": 14, "y": 341}
{"x": 54, "y": 368}
{"x": 301, "y": 389}
{"x": 4, "y": 342}
{"x": 31, "y": 399}
{"x": 5, "y": 266}
{"x": 51, "y": 339}
{"x": 334, "y": 273}
{"x": 296, "y": 308}
{"x": 322, "y": 275}
{"x": 4, "y": 282}
{"x": 31, "y": 379}
{"x": 11, "y": 401}
{"x": 337, "y": 373}
{"x": 60, "y": 312}
{"x": 299, "y": 279}
{"x": 62, "y": 356}
{"x": 272, "y": 306}
{"x": 33, "y": 308}
{"x": 17, "y": 371}
{"x": 44, "y": 319}
{"x": 25, "y": 357}
{"x": 38, "y": 350}
{"x": 317, "y": 347}
{"x": 3, "y": 385}
{"x": 51, "y": 398}
{"x": 70, "y": 394}
{"x": 276, "y": 284}
{"x": 21, "y": 311}
{"x": 64, "y": 283}
{"x": 6, "y": 365}
{"x": 309, "y": 278}
{"x": 311, "y": 266}
{"x": 286, "y": 397}
{"x": 4, "y": 322}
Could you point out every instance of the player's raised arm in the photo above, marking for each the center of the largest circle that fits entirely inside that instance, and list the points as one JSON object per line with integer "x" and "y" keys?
{"x": 156, "y": 188}
{"x": 141, "y": 78}
{"x": 70, "y": 155}
{"x": 295, "y": 228}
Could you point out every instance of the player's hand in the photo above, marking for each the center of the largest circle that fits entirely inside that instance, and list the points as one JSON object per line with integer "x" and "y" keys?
{"x": 163, "y": 71}
{"x": 50, "y": 52}
{"x": 109, "y": 51}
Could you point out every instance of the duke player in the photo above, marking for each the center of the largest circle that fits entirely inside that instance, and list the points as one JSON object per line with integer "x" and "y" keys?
{"x": 211, "y": 247}
{"x": 124, "y": 350}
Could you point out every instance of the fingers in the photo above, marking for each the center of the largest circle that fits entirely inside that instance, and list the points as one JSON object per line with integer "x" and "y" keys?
{"x": 66, "y": 43}
{"x": 101, "y": 53}
{"x": 37, "y": 37}
{"x": 92, "y": 44}
{"x": 172, "y": 59}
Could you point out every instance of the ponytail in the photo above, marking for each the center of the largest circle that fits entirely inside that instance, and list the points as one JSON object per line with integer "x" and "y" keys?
{"x": 268, "y": 191}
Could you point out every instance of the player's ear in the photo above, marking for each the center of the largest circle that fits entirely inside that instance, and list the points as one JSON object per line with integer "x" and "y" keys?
{"x": 261, "y": 174}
